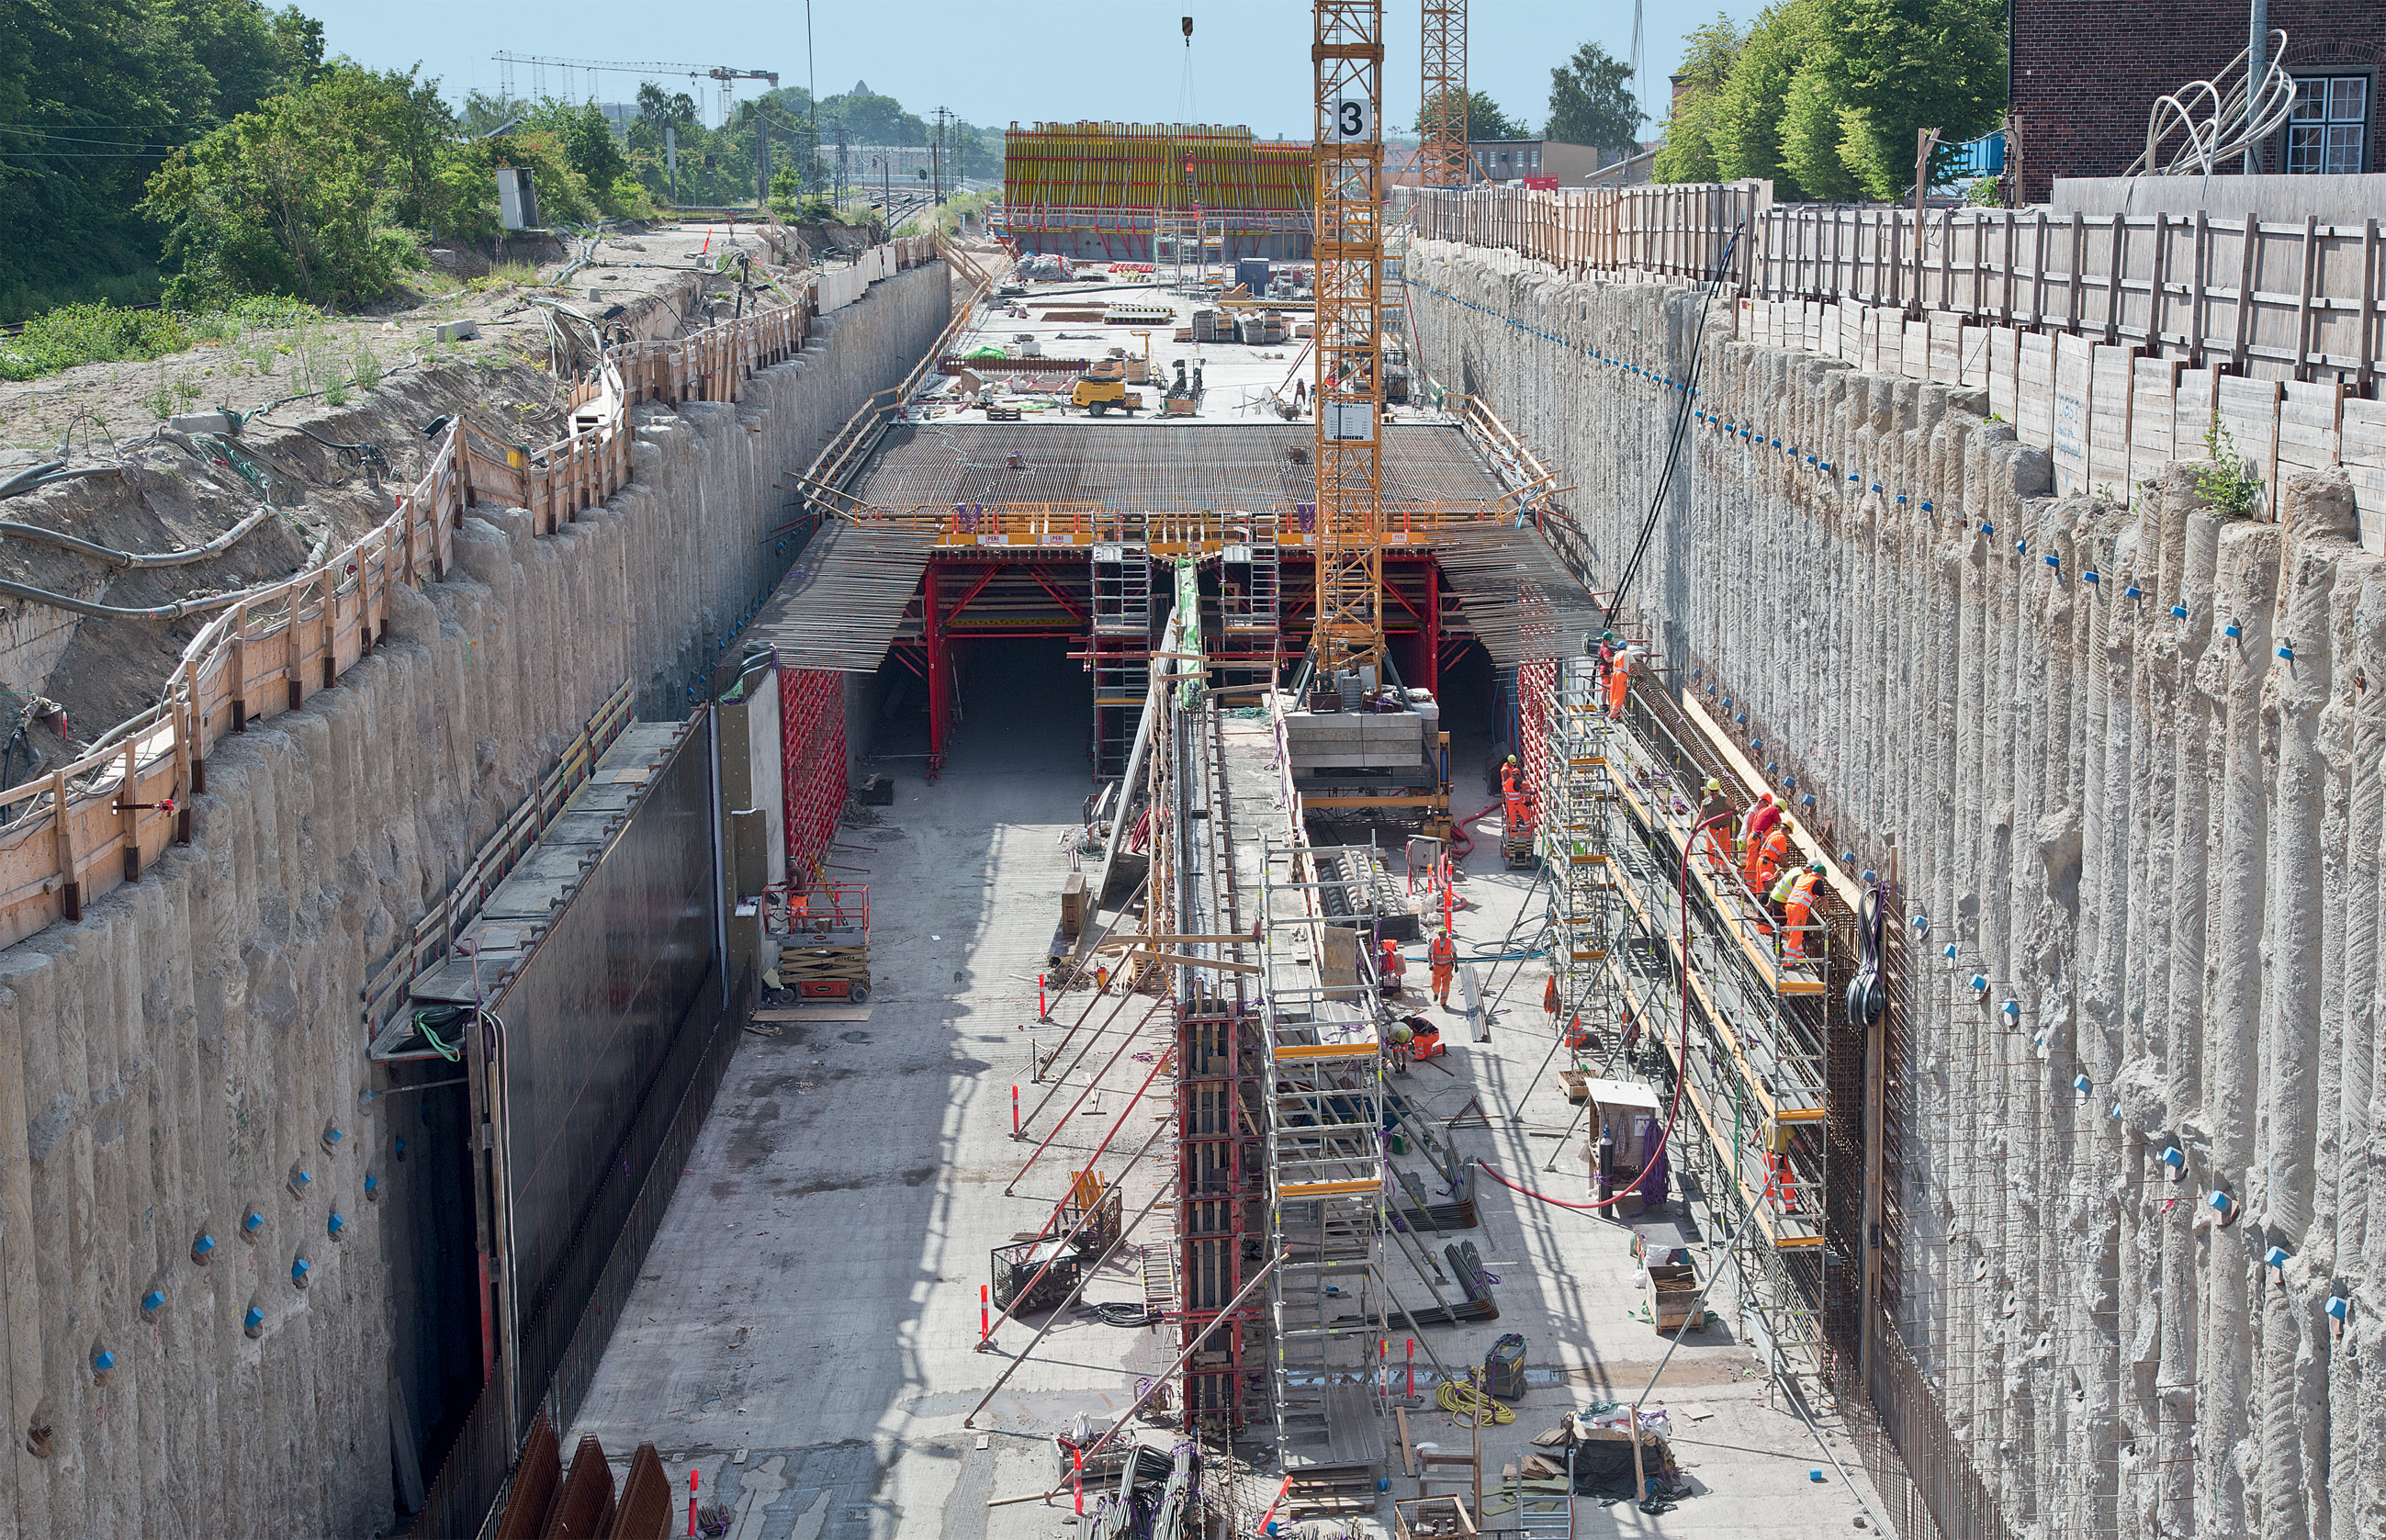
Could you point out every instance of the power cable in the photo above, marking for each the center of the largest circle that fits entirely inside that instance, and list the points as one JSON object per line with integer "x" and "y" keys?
{"x": 1681, "y": 425}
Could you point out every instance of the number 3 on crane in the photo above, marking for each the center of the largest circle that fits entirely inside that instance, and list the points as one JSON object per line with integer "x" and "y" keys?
{"x": 1354, "y": 120}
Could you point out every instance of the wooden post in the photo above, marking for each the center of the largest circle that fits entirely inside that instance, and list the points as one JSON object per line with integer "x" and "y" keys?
{"x": 239, "y": 681}
{"x": 62, "y": 839}
{"x": 2304, "y": 304}
{"x": 1632, "y": 1422}
{"x": 2246, "y": 254}
{"x": 2369, "y": 332}
{"x": 2078, "y": 261}
{"x": 195, "y": 739}
{"x": 2120, "y": 265}
{"x": 2158, "y": 271}
{"x": 128, "y": 818}
{"x": 2038, "y": 276}
{"x": 2202, "y": 257}
{"x": 182, "y": 772}
{"x": 1925, "y": 141}
{"x": 293, "y": 646}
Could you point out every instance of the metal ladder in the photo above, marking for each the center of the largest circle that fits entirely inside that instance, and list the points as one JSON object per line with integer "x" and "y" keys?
{"x": 1575, "y": 828}
{"x": 1250, "y": 579}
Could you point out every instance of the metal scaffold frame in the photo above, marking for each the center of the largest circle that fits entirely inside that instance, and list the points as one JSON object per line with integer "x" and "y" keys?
{"x": 1576, "y": 808}
{"x": 1324, "y": 1160}
{"x": 1753, "y": 1127}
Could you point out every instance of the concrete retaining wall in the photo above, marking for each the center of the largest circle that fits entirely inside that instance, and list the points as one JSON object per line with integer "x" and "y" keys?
{"x": 172, "y": 1058}
{"x": 2161, "y": 840}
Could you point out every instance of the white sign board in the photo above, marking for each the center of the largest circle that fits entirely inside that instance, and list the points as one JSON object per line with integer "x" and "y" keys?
{"x": 1350, "y": 420}
{"x": 1354, "y": 120}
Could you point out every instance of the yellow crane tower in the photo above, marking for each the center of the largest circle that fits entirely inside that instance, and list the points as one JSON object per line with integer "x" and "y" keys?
{"x": 1442, "y": 156}
{"x": 1347, "y": 60}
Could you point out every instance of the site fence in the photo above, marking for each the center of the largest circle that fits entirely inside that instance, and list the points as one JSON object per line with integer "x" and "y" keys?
{"x": 2114, "y": 343}
{"x": 86, "y": 826}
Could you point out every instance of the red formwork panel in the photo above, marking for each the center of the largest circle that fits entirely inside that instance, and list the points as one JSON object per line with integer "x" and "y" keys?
{"x": 1537, "y": 696}
{"x": 811, "y": 758}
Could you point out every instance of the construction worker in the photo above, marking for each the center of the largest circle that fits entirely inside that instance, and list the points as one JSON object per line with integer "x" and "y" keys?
{"x": 1619, "y": 686}
{"x": 1394, "y": 965}
{"x": 1759, "y": 821}
{"x": 1550, "y": 1001}
{"x": 1443, "y": 956}
{"x": 1402, "y": 1042}
{"x": 1764, "y": 858}
{"x": 1715, "y": 822}
{"x": 1798, "y": 913}
{"x": 1785, "y": 1186}
{"x": 1516, "y": 807}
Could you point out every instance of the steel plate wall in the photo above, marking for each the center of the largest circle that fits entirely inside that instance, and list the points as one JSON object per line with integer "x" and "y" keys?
{"x": 590, "y": 1024}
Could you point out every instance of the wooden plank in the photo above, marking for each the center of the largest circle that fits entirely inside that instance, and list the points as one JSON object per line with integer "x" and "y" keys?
{"x": 2362, "y": 451}
{"x": 1914, "y": 350}
{"x": 2153, "y": 390}
{"x": 2191, "y": 411}
{"x": 2249, "y": 410}
{"x": 2034, "y": 391}
{"x": 2108, "y": 420}
{"x": 2309, "y": 423}
{"x": 2005, "y": 365}
{"x": 1945, "y": 329}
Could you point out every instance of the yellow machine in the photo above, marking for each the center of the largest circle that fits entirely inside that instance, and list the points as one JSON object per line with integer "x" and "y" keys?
{"x": 1100, "y": 395}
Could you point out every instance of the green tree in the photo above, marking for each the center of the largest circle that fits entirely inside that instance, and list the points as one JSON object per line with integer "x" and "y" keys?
{"x": 1484, "y": 119}
{"x": 1746, "y": 123}
{"x": 95, "y": 94}
{"x": 1813, "y": 133}
{"x": 586, "y": 135}
{"x": 1900, "y": 66}
{"x": 1591, "y": 102}
{"x": 1708, "y": 55}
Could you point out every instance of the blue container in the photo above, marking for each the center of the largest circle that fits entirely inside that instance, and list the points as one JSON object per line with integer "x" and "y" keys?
{"x": 1252, "y": 273}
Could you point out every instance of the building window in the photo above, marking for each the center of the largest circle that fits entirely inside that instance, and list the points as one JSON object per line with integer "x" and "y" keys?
{"x": 2329, "y": 131}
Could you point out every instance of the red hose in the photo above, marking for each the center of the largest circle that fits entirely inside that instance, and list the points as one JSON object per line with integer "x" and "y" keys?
{"x": 1681, "y": 1072}
{"x": 1458, "y": 840}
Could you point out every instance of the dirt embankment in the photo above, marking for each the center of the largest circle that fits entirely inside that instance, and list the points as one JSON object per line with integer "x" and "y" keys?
{"x": 337, "y": 416}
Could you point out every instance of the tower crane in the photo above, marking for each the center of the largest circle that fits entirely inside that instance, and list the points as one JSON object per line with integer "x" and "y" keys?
{"x": 720, "y": 73}
{"x": 1346, "y": 64}
{"x": 1443, "y": 155}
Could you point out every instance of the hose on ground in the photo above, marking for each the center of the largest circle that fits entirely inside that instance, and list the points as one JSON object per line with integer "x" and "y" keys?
{"x": 135, "y": 558}
{"x": 174, "y": 612}
{"x": 1119, "y": 1312}
{"x": 1474, "y": 1406}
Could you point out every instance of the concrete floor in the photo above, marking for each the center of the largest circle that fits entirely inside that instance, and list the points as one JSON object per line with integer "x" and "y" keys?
{"x": 802, "y": 1334}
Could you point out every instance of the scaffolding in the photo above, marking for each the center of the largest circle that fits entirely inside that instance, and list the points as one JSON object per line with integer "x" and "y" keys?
{"x": 1120, "y": 644}
{"x": 1753, "y": 1137}
{"x": 1326, "y": 1169}
{"x": 1574, "y": 815}
{"x": 1115, "y": 186}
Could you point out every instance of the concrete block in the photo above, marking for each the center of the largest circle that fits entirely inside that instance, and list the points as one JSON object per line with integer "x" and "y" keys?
{"x": 205, "y": 422}
{"x": 455, "y": 331}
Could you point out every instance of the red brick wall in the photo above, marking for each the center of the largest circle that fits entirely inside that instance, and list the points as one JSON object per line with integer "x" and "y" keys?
{"x": 2086, "y": 73}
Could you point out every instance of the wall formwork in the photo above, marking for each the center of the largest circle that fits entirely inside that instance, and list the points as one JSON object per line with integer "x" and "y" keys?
{"x": 2159, "y": 839}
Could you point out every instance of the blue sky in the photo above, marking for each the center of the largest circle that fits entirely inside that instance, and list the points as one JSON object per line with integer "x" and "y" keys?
{"x": 995, "y": 61}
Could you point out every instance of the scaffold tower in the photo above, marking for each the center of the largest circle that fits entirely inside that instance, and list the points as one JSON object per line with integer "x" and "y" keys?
{"x": 1326, "y": 1169}
{"x": 1578, "y": 810}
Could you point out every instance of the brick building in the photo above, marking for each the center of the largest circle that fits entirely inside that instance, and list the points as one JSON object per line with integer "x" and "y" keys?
{"x": 2086, "y": 74}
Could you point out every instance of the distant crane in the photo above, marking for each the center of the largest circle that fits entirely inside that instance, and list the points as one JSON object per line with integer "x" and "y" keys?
{"x": 695, "y": 72}
{"x": 1444, "y": 156}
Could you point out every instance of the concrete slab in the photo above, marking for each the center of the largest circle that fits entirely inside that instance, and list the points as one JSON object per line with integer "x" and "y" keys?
{"x": 812, "y": 1301}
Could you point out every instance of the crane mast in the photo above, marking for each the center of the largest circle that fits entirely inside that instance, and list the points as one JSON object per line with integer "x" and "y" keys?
{"x": 1442, "y": 157}
{"x": 1347, "y": 61}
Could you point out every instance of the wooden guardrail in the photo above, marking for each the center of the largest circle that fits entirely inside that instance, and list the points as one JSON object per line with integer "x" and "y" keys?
{"x": 84, "y": 827}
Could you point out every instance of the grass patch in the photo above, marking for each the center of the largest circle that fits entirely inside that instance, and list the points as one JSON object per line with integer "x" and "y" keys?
{"x": 524, "y": 274}
{"x": 101, "y": 333}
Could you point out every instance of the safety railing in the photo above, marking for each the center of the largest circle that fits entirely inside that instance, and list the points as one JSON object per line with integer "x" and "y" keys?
{"x": 79, "y": 831}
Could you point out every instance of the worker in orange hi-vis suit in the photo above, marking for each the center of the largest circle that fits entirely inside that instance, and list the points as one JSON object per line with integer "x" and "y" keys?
{"x": 1759, "y": 821}
{"x": 1550, "y": 1001}
{"x": 1765, "y": 858}
{"x": 1517, "y": 808}
{"x": 1800, "y": 912}
{"x": 1393, "y": 966}
{"x": 1619, "y": 684}
{"x": 1443, "y": 956}
{"x": 1785, "y": 1186}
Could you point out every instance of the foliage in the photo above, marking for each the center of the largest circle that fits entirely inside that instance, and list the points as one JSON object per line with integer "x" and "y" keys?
{"x": 1591, "y": 102}
{"x": 317, "y": 193}
{"x": 585, "y": 136}
{"x": 66, "y": 335}
{"x": 74, "y": 73}
{"x": 1902, "y": 66}
{"x": 1484, "y": 119}
{"x": 1814, "y": 130}
{"x": 1753, "y": 102}
{"x": 1826, "y": 97}
{"x": 1708, "y": 55}
{"x": 1984, "y": 192}
{"x": 2229, "y": 485}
